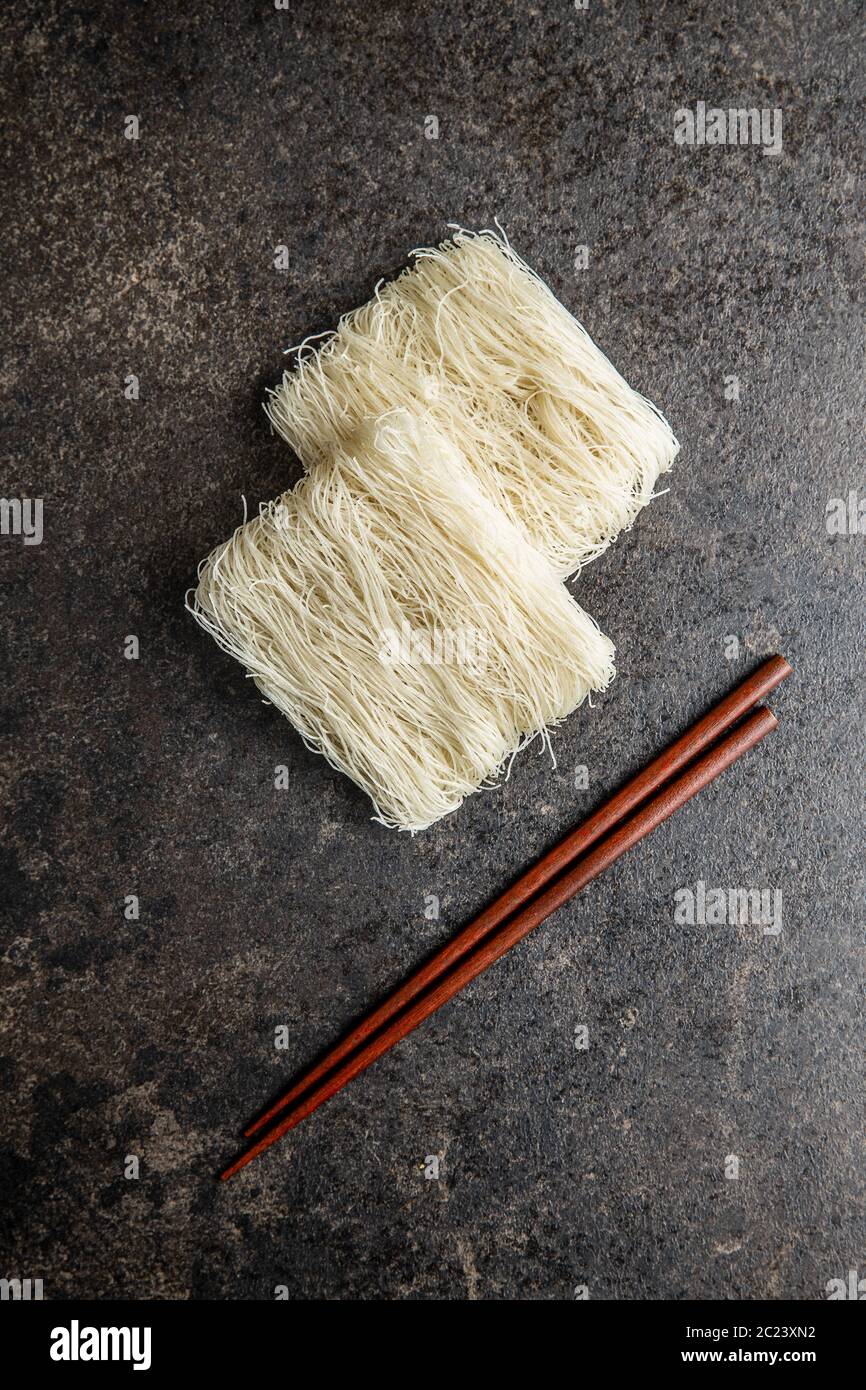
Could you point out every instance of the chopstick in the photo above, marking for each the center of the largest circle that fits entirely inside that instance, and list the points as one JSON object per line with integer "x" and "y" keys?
{"x": 687, "y": 784}
{"x": 700, "y": 736}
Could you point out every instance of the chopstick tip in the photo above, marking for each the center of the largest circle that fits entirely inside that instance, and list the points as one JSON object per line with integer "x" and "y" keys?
{"x": 781, "y": 664}
{"x": 234, "y": 1167}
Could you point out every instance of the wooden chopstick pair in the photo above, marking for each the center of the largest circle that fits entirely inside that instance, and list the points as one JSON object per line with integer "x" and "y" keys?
{"x": 674, "y": 777}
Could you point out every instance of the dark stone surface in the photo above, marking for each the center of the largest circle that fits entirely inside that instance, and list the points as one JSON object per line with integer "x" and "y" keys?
{"x": 155, "y": 777}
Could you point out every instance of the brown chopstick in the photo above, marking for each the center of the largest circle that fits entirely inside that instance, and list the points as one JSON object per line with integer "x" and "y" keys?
{"x": 696, "y": 739}
{"x": 686, "y": 785}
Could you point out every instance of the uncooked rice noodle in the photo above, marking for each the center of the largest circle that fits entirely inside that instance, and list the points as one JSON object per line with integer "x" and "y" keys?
{"x": 391, "y": 611}
{"x": 473, "y": 339}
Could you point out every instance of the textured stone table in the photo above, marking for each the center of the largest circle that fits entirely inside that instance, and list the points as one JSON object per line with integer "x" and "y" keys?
{"x": 727, "y": 285}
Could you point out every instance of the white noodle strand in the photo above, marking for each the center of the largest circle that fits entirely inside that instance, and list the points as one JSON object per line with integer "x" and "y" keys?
{"x": 397, "y": 535}
{"x": 472, "y": 337}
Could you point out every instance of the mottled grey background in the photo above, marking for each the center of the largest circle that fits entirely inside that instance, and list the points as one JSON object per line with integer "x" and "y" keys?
{"x": 155, "y": 777}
